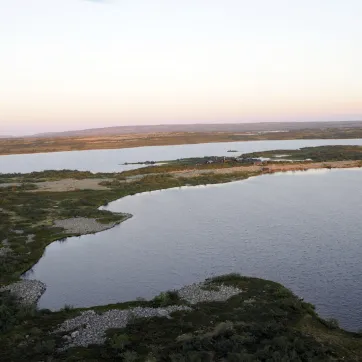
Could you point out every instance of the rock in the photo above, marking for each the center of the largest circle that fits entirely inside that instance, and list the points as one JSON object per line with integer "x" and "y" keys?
{"x": 97, "y": 324}
{"x": 163, "y": 313}
{"x": 196, "y": 293}
{"x": 84, "y": 225}
{"x": 28, "y": 291}
{"x": 5, "y": 250}
{"x": 18, "y": 232}
{"x": 91, "y": 327}
{"x": 29, "y": 238}
{"x": 74, "y": 334}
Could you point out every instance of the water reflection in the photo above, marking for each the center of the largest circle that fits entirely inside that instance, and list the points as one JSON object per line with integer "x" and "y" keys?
{"x": 300, "y": 229}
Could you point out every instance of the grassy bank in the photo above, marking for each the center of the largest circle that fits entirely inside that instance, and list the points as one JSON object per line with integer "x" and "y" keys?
{"x": 26, "y": 213}
{"x": 265, "y": 322}
{"x": 316, "y": 154}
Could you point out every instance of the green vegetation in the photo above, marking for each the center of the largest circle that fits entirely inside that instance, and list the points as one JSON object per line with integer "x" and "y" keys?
{"x": 264, "y": 323}
{"x": 24, "y": 213}
{"x": 24, "y": 331}
{"x": 316, "y": 154}
{"x": 49, "y": 175}
{"x": 188, "y": 164}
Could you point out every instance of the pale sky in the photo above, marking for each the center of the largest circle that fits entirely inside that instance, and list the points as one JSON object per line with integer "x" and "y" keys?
{"x": 74, "y": 64}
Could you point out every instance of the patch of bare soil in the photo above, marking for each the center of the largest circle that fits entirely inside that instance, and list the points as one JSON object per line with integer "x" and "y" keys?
{"x": 270, "y": 168}
{"x": 70, "y": 185}
{"x": 82, "y": 225}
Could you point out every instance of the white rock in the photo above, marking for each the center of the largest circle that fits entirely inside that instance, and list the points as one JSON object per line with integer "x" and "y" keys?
{"x": 74, "y": 334}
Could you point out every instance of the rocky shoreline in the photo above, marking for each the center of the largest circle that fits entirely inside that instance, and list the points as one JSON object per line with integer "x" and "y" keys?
{"x": 90, "y": 327}
{"x": 83, "y": 225}
{"x": 30, "y": 291}
{"x": 27, "y": 291}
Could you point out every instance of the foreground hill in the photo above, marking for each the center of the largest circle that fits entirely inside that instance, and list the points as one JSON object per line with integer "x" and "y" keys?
{"x": 259, "y": 321}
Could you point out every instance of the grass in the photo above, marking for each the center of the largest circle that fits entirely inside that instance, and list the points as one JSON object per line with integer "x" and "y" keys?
{"x": 273, "y": 327}
{"x": 34, "y": 212}
{"x": 316, "y": 154}
{"x": 264, "y": 323}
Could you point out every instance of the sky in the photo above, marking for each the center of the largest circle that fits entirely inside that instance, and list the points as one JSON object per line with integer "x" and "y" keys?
{"x": 76, "y": 64}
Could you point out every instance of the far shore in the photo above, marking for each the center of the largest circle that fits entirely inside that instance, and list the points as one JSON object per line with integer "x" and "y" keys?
{"x": 30, "y": 145}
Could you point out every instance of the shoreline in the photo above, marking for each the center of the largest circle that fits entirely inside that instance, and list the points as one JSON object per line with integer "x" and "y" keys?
{"x": 223, "y": 302}
{"x": 158, "y": 140}
{"x": 251, "y": 171}
{"x": 32, "y": 284}
{"x": 81, "y": 327}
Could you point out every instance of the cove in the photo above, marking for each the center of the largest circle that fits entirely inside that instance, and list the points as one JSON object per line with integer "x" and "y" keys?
{"x": 300, "y": 229}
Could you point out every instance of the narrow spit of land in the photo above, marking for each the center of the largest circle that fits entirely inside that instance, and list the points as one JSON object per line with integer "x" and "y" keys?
{"x": 25, "y": 145}
{"x": 262, "y": 321}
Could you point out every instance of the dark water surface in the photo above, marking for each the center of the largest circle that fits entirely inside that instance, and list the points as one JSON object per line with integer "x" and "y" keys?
{"x": 113, "y": 160}
{"x": 303, "y": 230}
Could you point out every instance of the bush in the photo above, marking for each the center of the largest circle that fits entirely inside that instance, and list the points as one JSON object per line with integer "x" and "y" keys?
{"x": 12, "y": 312}
{"x": 167, "y": 298}
{"x": 331, "y": 323}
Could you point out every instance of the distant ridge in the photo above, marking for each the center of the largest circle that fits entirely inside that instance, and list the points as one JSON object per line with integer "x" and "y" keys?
{"x": 226, "y": 127}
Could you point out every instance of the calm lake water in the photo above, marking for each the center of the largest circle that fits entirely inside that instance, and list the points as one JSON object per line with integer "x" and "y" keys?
{"x": 303, "y": 230}
{"x": 113, "y": 160}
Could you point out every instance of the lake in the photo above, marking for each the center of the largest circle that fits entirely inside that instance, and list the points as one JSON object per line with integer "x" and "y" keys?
{"x": 113, "y": 160}
{"x": 302, "y": 229}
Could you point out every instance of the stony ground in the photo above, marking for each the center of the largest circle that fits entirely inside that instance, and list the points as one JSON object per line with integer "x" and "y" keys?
{"x": 64, "y": 185}
{"x": 83, "y": 225}
{"x": 90, "y": 327}
{"x": 71, "y": 185}
{"x": 271, "y": 168}
{"x": 196, "y": 293}
{"x": 4, "y": 250}
{"x": 28, "y": 291}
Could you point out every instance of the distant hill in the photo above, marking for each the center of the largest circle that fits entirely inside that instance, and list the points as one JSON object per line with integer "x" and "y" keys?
{"x": 226, "y": 127}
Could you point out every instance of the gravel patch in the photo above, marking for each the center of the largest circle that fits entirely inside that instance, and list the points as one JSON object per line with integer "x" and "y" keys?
{"x": 83, "y": 225}
{"x": 9, "y": 184}
{"x": 5, "y": 250}
{"x": 201, "y": 292}
{"x": 29, "y": 238}
{"x": 71, "y": 185}
{"x": 18, "y": 232}
{"x": 28, "y": 291}
{"x": 90, "y": 327}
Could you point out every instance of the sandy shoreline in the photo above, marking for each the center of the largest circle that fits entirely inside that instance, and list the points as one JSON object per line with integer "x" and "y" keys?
{"x": 269, "y": 168}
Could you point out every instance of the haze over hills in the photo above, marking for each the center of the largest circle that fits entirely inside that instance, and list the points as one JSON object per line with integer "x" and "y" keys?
{"x": 226, "y": 127}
